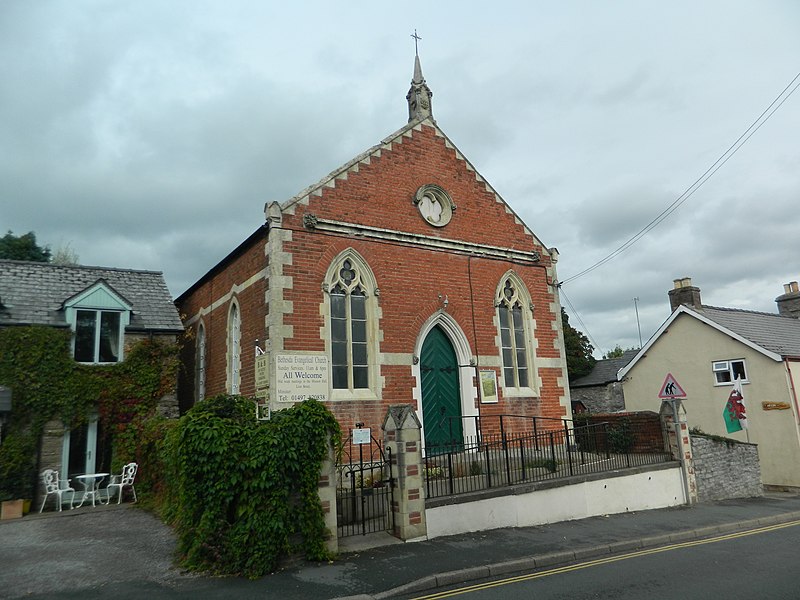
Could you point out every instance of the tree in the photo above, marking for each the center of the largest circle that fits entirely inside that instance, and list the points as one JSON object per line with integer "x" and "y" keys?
{"x": 23, "y": 247}
{"x": 579, "y": 350}
{"x": 65, "y": 255}
{"x": 617, "y": 352}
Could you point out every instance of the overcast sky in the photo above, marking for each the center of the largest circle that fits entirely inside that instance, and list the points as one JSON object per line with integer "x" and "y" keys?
{"x": 150, "y": 134}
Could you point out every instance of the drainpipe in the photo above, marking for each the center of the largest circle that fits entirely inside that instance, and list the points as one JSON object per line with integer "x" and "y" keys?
{"x": 792, "y": 390}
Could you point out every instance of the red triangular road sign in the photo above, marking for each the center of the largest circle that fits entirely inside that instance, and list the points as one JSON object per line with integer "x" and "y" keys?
{"x": 671, "y": 388}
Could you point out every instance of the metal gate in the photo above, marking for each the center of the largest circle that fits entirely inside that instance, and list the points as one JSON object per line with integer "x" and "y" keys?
{"x": 365, "y": 487}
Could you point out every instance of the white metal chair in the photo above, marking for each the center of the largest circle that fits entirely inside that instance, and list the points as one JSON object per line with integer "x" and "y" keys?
{"x": 125, "y": 479}
{"x": 54, "y": 485}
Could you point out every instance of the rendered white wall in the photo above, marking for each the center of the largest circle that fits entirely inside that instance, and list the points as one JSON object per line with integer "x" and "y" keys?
{"x": 642, "y": 491}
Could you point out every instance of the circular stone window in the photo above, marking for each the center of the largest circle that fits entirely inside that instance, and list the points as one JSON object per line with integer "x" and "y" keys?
{"x": 434, "y": 204}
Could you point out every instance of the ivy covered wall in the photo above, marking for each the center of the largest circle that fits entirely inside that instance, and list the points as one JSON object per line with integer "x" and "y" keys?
{"x": 47, "y": 384}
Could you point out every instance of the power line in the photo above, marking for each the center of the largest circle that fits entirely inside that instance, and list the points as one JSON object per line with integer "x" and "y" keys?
{"x": 577, "y": 316}
{"x": 698, "y": 183}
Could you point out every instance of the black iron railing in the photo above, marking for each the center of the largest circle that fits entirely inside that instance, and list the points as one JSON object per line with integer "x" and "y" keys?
{"x": 539, "y": 452}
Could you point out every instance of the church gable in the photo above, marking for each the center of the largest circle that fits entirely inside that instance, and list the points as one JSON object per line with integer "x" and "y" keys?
{"x": 416, "y": 183}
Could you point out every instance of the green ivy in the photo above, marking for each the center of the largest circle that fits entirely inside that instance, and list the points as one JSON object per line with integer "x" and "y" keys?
{"x": 36, "y": 363}
{"x": 620, "y": 437}
{"x": 246, "y": 491}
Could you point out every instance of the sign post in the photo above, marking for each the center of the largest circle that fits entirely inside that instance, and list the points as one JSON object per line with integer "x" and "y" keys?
{"x": 671, "y": 391}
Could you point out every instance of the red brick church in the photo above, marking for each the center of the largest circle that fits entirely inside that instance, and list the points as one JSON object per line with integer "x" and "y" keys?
{"x": 400, "y": 278}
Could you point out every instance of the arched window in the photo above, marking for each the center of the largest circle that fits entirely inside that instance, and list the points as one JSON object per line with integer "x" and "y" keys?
{"x": 200, "y": 363}
{"x": 516, "y": 333}
{"x": 352, "y": 309}
{"x": 234, "y": 347}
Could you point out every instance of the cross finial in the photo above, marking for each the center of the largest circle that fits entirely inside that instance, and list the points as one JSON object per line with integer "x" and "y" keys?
{"x": 416, "y": 42}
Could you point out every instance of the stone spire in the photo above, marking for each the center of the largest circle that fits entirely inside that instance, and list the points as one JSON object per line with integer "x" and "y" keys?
{"x": 419, "y": 96}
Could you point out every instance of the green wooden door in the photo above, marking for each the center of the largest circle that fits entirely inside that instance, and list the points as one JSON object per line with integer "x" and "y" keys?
{"x": 441, "y": 398}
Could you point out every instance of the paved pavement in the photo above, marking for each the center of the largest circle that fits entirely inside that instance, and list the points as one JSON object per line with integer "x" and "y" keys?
{"x": 124, "y": 552}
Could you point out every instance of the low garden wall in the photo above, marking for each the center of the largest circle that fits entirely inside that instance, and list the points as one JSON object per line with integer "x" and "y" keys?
{"x": 725, "y": 468}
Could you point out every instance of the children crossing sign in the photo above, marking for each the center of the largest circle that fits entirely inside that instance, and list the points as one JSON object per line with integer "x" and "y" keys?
{"x": 671, "y": 389}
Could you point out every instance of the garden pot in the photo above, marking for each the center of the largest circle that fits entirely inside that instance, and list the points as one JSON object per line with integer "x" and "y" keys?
{"x": 11, "y": 509}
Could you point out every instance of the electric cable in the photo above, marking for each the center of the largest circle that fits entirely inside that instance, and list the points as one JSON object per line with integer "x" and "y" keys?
{"x": 698, "y": 183}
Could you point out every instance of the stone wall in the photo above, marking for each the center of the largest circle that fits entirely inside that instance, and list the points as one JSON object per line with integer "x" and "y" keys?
{"x": 725, "y": 468}
{"x": 600, "y": 398}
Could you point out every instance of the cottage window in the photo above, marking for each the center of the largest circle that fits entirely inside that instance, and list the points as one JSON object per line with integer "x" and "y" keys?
{"x": 727, "y": 371}
{"x": 98, "y": 336}
{"x": 352, "y": 319}
{"x": 98, "y": 316}
{"x": 515, "y": 327}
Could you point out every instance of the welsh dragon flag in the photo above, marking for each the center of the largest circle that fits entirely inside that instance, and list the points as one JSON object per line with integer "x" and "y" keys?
{"x": 734, "y": 411}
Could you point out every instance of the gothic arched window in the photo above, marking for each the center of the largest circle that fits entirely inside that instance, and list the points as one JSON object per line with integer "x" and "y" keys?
{"x": 513, "y": 316}
{"x": 200, "y": 364}
{"x": 352, "y": 313}
{"x": 234, "y": 347}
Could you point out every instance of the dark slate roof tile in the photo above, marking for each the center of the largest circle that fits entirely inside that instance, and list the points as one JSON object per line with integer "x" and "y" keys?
{"x": 604, "y": 371}
{"x": 34, "y": 293}
{"x": 774, "y": 332}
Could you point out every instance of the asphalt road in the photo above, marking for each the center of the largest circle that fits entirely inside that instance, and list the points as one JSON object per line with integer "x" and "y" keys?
{"x": 125, "y": 553}
{"x": 761, "y": 563}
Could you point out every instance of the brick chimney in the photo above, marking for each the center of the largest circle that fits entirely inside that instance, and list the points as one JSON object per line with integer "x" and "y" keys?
{"x": 789, "y": 302}
{"x": 684, "y": 293}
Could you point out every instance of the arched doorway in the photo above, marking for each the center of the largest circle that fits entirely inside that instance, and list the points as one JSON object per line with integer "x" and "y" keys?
{"x": 441, "y": 391}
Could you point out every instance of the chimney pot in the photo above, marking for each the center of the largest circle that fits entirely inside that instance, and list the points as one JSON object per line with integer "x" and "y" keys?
{"x": 789, "y": 302}
{"x": 684, "y": 293}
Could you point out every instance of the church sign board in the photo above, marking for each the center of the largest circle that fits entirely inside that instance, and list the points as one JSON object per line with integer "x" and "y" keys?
{"x": 299, "y": 377}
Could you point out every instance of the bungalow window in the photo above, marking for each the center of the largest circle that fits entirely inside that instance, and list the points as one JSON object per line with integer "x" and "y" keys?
{"x": 727, "y": 371}
{"x": 97, "y": 336}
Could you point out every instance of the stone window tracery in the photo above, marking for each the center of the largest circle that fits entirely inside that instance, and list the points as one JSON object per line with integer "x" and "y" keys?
{"x": 352, "y": 334}
{"x": 514, "y": 320}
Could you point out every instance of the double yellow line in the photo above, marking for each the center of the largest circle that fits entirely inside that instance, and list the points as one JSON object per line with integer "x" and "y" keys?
{"x": 603, "y": 561}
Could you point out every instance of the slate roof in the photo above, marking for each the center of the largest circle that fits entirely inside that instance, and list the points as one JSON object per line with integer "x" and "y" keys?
{"x": 33, "y": 293}
{"x": 777, "y": 333}
{"x": 605, "y": 371}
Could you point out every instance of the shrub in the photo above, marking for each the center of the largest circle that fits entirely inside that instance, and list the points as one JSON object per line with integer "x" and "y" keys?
{"x": 246, "y": 491}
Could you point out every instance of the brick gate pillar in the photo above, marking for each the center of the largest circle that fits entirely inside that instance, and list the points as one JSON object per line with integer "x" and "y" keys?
{"x": 679, "y": 444}
{"x": 402, "y": 435}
